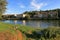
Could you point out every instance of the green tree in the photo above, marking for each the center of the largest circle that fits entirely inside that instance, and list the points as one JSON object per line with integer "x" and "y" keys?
{"x": 3, "y": 4}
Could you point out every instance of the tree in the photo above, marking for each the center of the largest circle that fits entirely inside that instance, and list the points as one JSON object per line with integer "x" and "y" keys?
{"x": 3, "y": 4}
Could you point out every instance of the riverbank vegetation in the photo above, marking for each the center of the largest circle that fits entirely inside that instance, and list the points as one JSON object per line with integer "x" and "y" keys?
{"x": 29, "y": 33}
{"x": 52, "y": 33}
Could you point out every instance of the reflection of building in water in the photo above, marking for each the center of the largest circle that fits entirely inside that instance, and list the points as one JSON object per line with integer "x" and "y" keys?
{"x": 24, "y": 22}
{"x": 15, "y": 21}
{"x": 35, "y": 24}
{"x": 38, "y": 24}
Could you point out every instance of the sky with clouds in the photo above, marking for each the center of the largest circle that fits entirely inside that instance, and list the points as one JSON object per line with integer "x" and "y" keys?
{"x": 20, "y": 6}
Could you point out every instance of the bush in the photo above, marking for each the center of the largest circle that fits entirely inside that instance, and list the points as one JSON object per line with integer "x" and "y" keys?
{"x": 45, "y": 34}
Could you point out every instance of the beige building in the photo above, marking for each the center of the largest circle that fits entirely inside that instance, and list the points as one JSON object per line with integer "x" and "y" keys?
{"x": 45, "y": 14}
{"x": 53, "y": 14}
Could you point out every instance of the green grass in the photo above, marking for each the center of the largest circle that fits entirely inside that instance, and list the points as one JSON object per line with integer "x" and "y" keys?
{"x": 6, "y": 27}
{"x": 50, "y": 33}
{"x": 25, "y": 28}
{"x": 10, "y": 27}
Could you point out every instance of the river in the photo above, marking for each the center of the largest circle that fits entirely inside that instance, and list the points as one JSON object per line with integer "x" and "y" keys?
{"x": 35, "y": 23}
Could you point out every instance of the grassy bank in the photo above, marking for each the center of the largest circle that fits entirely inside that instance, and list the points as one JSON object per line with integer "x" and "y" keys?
{"x": 51, "y": 33}
{"x": 29, "y": 33}
{"x": 5, "y": 26}
{"x": 7, "y": 32}
{"x": 6, "y": 29}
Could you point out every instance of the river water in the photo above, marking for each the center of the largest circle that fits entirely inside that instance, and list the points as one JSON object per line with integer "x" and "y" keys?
{"x": 36, "y": 23}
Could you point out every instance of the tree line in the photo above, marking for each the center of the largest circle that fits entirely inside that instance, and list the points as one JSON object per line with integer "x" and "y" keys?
{"x": 3, "y": 4}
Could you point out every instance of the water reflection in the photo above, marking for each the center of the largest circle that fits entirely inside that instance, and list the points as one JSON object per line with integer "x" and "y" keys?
{"x": 36, "y": 23}
{"x": 15, "y": 21}
{"x": 24, "y": 22}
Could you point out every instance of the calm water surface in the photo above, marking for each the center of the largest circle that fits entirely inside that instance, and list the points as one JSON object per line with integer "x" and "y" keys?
{"x": 36, "y": 23}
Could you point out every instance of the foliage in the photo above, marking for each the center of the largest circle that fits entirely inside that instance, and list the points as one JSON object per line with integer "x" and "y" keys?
{"x": 51, "y": 33}
{"x": 3, "y": 4}
{"x": 31, "y": 13}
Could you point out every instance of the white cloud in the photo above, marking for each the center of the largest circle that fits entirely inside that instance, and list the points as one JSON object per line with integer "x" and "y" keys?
{"x": 22, "y": 6}
{"x": 36, "y": 5}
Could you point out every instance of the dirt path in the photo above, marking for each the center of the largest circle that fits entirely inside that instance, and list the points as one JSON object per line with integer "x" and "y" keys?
{"x": 7, "y": 36}
{"x": 19, "y": 35}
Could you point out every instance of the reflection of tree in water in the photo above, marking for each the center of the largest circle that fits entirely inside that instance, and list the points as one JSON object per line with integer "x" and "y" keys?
{"x": 59, "y": 23}
{"x": 36, "y": 23}
{"x": 42, "y": 23}
{"x": 56, "y": 23}
{"x": 50, "y": 23}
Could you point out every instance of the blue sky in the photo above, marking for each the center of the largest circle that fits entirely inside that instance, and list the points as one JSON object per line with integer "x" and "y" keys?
{"x": 20, "y": 6}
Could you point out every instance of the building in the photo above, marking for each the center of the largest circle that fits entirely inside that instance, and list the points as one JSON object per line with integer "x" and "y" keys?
{"x": 47, "y": 14}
